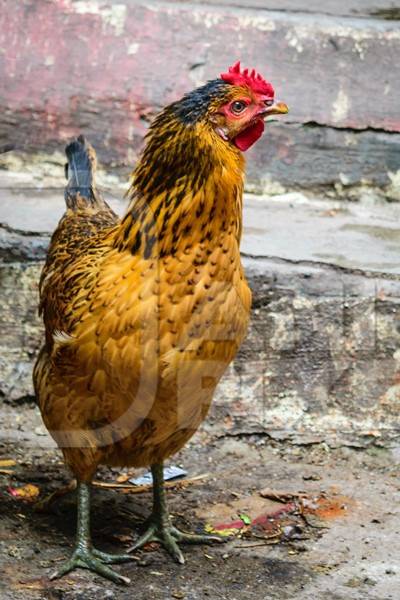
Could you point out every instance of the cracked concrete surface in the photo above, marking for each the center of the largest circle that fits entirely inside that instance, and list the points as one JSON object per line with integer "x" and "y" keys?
{"x": 351, "y": 557}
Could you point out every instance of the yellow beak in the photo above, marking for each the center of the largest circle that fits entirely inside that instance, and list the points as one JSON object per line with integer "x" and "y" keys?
{"x": 279, "y": 108}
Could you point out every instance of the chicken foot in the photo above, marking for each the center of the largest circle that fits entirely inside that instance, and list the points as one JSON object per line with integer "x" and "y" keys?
{"x": 84, "y": 555}
{"x": 159, "y": 527}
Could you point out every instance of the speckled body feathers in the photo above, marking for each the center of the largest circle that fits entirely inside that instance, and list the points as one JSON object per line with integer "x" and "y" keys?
{"x": 144, "y": 315}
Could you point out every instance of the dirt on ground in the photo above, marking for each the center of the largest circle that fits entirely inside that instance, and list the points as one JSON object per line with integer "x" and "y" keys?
{"x": 304, "y": 522}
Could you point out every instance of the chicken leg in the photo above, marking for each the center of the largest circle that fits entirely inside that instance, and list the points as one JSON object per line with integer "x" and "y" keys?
{"x": 159, "y": 527}
{"x": 84, "y": 555}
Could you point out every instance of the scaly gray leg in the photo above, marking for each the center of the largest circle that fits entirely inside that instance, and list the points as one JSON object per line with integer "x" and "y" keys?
{"x": 84, "y": 555}
{"x": 159, "y": 527}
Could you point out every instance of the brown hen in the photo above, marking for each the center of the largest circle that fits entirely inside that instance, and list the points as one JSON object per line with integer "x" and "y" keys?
{"x": 144, "y": 315}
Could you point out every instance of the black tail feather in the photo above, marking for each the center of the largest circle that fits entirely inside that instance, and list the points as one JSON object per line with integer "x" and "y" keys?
{"x": 80, "y": 172}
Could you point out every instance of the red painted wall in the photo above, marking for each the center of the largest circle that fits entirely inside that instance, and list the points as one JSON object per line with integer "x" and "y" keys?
{"x": 105, "y": 67}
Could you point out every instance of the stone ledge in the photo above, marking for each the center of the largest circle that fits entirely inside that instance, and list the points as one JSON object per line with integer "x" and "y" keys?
{"x": 383, "y": 9}
{"x": 361, "y": 236}
{"x": 345, "y": 164}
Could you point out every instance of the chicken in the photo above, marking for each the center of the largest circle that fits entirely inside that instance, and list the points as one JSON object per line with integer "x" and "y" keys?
{"x": 143, "y": 315}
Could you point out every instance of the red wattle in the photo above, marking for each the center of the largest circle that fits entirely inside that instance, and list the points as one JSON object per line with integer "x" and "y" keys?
{"x": 249, "y": 136}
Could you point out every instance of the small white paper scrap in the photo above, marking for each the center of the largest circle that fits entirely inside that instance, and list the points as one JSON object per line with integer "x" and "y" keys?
{"x": 169, "y": 473}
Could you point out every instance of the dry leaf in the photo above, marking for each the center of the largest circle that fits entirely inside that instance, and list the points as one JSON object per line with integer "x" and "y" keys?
{"x": 222, "y": 532}
{"x": 124, "y": 477}
{"x": 35, "y": 584}
{"x": 7, "y": 462}
{"x": 28, "y": 492}
{"x": 280, "y": 496}
{"x": 128, "y": 488}
{"x": 124, "y": 538}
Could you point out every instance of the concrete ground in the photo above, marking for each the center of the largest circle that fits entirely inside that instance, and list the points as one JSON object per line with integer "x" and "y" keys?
{"x": 347, "y": 550}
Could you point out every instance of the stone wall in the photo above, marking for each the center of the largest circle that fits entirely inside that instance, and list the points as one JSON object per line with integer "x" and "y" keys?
{"x": 321, "y": 360}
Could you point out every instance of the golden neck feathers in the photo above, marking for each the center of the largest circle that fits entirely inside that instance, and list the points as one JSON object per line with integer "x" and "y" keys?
{"x": 186, "y": 190}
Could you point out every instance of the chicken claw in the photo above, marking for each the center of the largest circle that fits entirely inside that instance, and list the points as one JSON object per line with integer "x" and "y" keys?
{"x": 159, "y": 526}
{"x": 84, "y": 555}
{"x": 95, "y": 561}
{"x": 167, "y": 535}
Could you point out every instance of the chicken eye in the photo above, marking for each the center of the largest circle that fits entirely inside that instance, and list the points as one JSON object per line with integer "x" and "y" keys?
{"x": 238, "y": 106}
{"x": 268, "y": 102}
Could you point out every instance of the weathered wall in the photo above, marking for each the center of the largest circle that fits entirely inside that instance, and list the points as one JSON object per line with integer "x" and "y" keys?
{"x": 319, "y": 363}
{"x": 321, "y": 359}
{"x": 104, "y": 68}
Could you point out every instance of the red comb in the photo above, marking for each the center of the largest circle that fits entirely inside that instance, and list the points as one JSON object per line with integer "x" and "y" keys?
{"x": 252, "y": 80}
